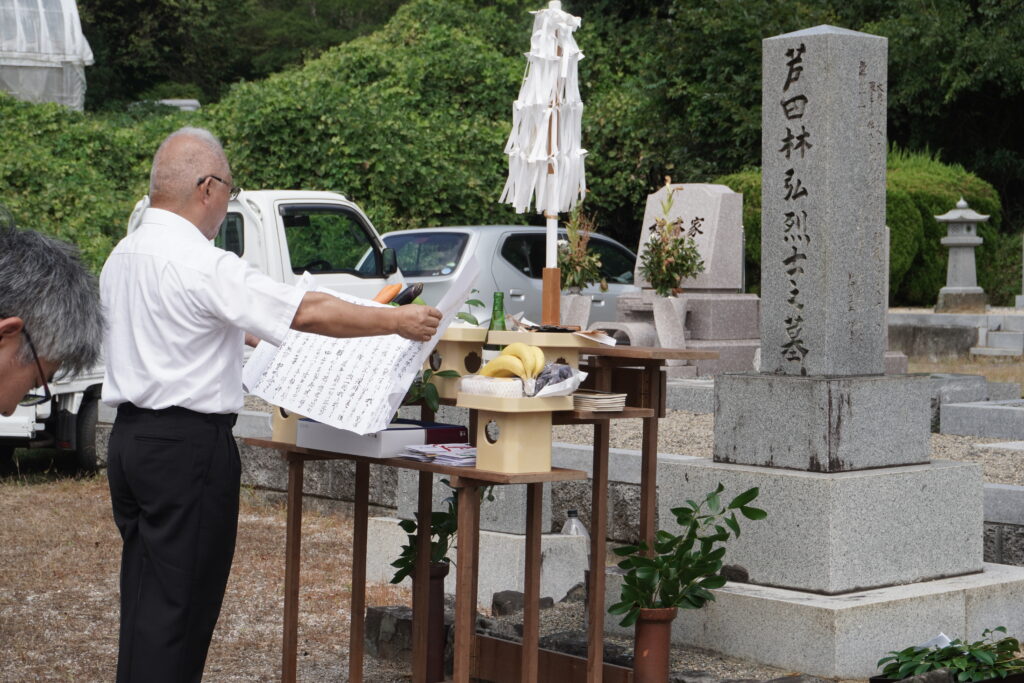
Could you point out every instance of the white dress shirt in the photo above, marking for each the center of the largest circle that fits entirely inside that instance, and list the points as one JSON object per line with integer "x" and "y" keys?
{"x": 177, "y": 311}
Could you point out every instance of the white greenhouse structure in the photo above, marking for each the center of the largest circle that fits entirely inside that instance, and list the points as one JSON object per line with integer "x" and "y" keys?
{"x": 43, "y": 53}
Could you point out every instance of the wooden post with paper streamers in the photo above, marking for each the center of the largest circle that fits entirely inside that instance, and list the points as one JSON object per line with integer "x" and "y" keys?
{"x": 545, "y": 156}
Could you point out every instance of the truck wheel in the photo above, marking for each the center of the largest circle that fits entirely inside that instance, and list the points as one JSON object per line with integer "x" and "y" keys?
{"x": 85, "y": 434}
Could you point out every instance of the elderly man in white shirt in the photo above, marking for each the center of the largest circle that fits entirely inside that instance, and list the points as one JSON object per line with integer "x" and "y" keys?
{"x": 179, "y": 309}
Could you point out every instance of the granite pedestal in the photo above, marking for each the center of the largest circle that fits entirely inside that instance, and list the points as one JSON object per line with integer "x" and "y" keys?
{"x": 836, "y": 533}
{"x": 821, "y": 424}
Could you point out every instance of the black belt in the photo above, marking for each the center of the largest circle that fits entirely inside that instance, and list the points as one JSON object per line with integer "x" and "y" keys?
{"x": 226, "y": 419}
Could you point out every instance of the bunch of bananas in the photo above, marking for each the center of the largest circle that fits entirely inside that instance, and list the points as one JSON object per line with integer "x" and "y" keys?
{"x": 516, "y": 360}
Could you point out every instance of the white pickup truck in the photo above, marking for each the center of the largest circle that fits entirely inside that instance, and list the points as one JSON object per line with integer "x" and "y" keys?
{"x": 282, "y": 233}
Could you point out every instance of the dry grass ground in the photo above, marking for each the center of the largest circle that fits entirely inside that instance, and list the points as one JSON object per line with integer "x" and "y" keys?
{"x": 59, "y": 557}
{"x": 993, "y": 368}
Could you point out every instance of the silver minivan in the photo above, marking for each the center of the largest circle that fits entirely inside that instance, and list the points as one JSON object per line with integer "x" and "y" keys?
{"x": 511, "y": 261}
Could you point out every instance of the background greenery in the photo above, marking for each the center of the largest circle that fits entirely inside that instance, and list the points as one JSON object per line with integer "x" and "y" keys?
{"x": 405, "y": 107}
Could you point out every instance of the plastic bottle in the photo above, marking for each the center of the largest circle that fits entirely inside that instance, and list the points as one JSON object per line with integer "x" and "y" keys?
{"x": 491, "y": 351}
{"x": 573, "y": 526}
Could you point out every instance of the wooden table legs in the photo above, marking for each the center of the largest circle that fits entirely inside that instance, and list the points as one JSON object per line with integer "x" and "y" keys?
{"x": 357, "y": 614}
{"x": 293, "y": 541}
{"x": 465, "y": 578}
{"x": 531, "y": 582}
{"x": 598, "y": 548}
{"x": 649, "y": 459}
{"x": 421, "y": 578}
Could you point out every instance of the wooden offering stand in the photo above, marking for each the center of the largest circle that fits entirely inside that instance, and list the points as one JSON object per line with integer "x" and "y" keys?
{"x": 459, "y": 349}
{"x": 636, "y": 371}
{"x": 513, "y": 435}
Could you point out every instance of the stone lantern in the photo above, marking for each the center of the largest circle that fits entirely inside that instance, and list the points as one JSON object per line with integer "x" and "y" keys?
{"x": 961, "y": 292}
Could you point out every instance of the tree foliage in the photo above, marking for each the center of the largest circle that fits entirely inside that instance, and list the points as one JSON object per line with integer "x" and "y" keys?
{"x": 409, "y": 111}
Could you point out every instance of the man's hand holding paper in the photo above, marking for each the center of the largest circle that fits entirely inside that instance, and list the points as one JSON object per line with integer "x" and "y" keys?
{"x": 355, "y": 384}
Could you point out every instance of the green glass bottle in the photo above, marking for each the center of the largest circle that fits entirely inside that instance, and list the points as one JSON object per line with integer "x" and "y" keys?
{"x": 491, "y": 351}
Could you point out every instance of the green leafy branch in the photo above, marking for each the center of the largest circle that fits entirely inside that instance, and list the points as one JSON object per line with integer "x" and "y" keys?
{"x": 471, "y": 303}
{"x": 444, "y": 526}
{"x": 422, "y": 389}
{"x": 684, "y": 568}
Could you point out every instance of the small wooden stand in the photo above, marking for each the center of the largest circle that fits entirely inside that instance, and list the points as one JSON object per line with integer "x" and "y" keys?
{"x": 551, "y": 296}
{"x": 283, "y": 425}
{"x": 460, "y": 349}
{"x": 513, "y": 435}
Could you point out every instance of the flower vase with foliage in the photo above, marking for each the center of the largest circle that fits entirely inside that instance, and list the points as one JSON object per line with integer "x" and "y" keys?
{"x": 670, "y": 254}
{"x": 578, "y": 266}
{"x": 679, "y": 571}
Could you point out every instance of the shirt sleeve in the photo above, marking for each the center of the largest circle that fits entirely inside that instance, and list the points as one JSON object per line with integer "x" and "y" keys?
{"x": 243, "y": 297}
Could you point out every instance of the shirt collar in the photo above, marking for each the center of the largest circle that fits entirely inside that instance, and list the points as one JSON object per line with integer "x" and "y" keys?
{"x": 172, "y": 223}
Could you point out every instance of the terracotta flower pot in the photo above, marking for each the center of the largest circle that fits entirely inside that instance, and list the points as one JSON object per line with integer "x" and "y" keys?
{"x": 651, "y": 644}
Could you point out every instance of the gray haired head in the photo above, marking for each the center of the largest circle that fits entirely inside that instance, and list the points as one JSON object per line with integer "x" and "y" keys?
{"x": 174, "y": 174}
{"x": 43, "y": 282}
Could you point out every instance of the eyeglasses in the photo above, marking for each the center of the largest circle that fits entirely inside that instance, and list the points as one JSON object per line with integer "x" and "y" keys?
{"x": 36, "y": 399}
{"x": 232, "y": 190}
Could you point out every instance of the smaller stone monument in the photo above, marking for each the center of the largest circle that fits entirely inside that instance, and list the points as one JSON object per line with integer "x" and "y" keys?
{"x": 717, "y": 213}
{"x": 961, "y": 293}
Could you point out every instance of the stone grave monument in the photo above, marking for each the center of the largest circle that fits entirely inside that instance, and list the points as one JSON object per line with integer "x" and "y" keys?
{"x": 869, "y": 546}
{"x": 712, "y": 313}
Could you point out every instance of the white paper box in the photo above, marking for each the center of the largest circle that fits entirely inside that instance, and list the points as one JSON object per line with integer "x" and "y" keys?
{"x": 384, "y": 444}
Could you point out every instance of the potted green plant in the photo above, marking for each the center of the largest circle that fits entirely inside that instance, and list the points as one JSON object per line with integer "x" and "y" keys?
{"x": 679, "y": 571}
{"x": 579, "y": 268}
{"x": 988, "y": 659}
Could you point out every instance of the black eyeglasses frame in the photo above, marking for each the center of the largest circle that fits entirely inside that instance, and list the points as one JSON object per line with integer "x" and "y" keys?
{"x": 233, "y": 190}
{"x": 36, "y": 399}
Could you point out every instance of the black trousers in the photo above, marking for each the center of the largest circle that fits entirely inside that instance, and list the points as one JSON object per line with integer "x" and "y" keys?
{"x": 174, "y": 482}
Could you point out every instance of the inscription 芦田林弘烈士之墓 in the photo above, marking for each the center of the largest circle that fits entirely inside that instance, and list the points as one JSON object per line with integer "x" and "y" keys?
{"x": 795, "y": 146}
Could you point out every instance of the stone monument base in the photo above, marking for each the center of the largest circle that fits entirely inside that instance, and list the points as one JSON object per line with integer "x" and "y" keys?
{"x": 961, "y": 300}
{"x": 844, "y": 636}
{"x": 821, "y": 424}
{"x": 848, "y": 531}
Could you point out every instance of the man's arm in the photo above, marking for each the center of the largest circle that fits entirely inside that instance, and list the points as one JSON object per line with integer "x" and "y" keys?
{"x": 328, "y": 315}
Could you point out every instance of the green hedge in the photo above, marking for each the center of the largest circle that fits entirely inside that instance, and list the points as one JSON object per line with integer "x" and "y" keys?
{"x": 72, "y": 175}
{"x": 918, "y": 188}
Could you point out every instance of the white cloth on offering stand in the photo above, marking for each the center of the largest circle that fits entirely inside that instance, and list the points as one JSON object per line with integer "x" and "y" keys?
{"x": 355, "y": 384}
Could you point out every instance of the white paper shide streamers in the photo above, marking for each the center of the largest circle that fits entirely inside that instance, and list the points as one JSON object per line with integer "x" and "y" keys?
{"x": 547, "y": 119}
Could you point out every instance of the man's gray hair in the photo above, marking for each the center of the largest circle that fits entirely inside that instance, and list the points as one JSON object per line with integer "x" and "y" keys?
{"x": 174, "y": 176}
{"x": 43, "y": 282}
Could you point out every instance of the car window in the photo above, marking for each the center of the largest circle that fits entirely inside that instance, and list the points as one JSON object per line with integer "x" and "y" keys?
{"x": 231, "y": 236}
{"x": 425, "y": 254}
{"x": 525, "y": 252}
{"x": 617, "y": 263}
{"x": 328, "y": 239}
